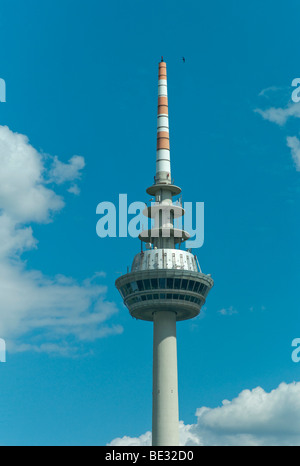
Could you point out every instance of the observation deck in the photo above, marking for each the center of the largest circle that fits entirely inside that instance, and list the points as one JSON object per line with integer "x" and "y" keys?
{"x": 164, "y": 280}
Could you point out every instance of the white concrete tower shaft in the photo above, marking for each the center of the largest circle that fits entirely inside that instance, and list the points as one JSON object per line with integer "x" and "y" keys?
{"x": 165, "y": 412}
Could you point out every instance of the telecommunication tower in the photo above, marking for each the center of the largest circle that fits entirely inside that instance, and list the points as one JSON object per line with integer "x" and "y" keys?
{"x": 165, "y": 284}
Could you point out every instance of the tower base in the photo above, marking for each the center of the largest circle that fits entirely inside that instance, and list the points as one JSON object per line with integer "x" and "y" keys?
{"x": 165, "y": 417}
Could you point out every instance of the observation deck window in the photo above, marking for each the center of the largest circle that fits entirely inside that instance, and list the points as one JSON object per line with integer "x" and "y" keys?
{"x": 205, "y": 291}
{"x": 162, "y": 283}
{"x": 184, "y": 284}
{"x": 201, "y": 288}
{"x": 177, "y": 283}
{"x": 133, "y": 287}
{"x": 140, "y": 285}
{"x": 154, "y": 283}
{"x": 191, "y": 285}
{"x": 170, "y": 283}
{"x": 147, "y": 284}
{"x": 197, "y": 286}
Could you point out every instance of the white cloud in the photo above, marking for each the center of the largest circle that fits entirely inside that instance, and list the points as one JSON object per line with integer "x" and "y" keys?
{"x": 269, "y": 91}
{"x": 14, "y": 238}
{"x": 62, "y": 172}
{"x": 294, "y": 144}
{"x": 23, "y": 194}
{"x": 280, "y": 115}
{"x": 255, "y": 417}
{"x": 54, "y": 311}
{"x": 74, "y": 189}
{"x": 228, "y": 311}
{"x": 38, "y": 312}
{"x": 144, "y": 440}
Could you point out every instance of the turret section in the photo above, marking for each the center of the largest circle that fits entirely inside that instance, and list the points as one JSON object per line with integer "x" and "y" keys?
{"x": 163, "y": 211}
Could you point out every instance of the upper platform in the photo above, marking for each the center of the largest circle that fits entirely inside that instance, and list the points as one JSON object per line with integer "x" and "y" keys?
{"x": 153, "y": 190}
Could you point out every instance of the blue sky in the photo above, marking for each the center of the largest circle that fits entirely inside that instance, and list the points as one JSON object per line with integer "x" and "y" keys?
{"x": 81, "y": 83}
